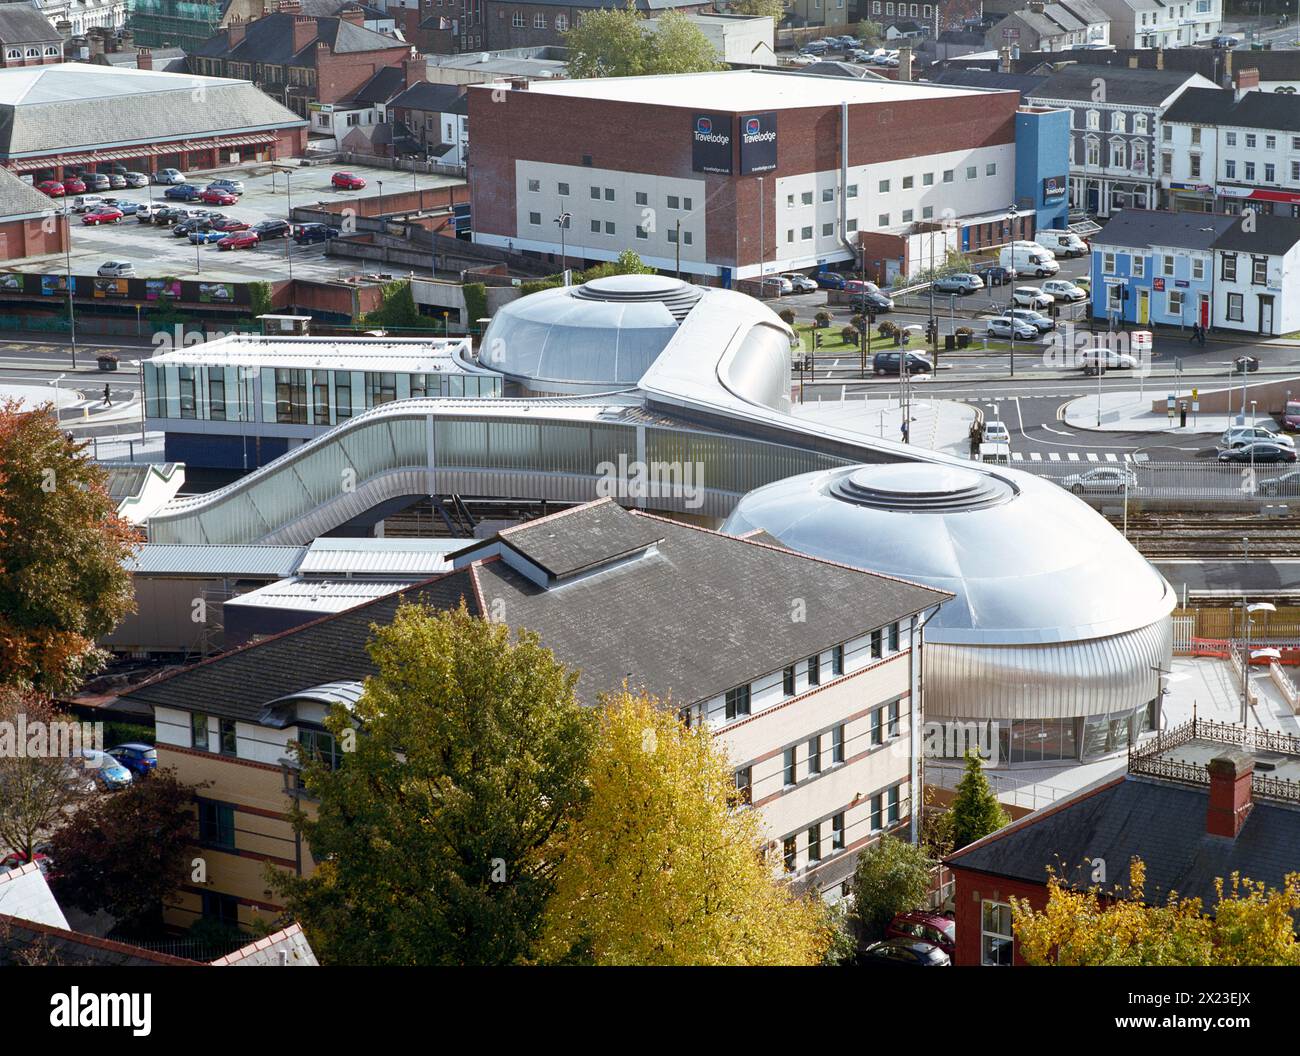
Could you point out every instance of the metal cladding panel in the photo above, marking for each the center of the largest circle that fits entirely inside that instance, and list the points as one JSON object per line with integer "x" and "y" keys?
{"x": 1047, "y": 681}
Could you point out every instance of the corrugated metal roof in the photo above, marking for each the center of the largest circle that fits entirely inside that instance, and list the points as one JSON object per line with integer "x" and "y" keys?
{"x": 200, "y": 559}
{"x": 316, "y": 595}
{"x": 380, "y": 556}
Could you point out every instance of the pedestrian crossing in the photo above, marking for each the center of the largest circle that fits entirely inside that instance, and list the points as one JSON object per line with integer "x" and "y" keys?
{"x": 1079, "y": 456}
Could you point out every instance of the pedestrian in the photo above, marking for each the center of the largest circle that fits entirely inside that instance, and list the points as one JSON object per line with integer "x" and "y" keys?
{"x": 108, "y": 396}
{"x": 905, "y": 430}
{"x": 1201, "y": 335}
{"x": 1196, "y": 332}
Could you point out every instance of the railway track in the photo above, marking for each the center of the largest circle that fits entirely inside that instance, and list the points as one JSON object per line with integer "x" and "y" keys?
{"x": 1212, "y": 535}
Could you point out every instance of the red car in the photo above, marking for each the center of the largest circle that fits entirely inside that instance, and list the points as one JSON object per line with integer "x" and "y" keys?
{"x": 72, "y": 185}
{"x": 216, "y": 196}
{"x": 102, "y": 215}
{"x": 17, "y": 859}
{"x": 239, "y": 240}
{"x": 347, "y": 181}
{"x": 934, "y": 928}
{"x": 229, "y": 226}
{"x": 51, "y": 187}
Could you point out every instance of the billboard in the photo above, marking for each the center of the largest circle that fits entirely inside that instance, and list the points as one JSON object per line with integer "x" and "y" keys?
{"x": 711, "y": 140}
{"x": 157, "y": 288}
{"x": 52, "y": 284}
{"x": 111, "y": 287}
{"x": 215, "y": 291}
{"x": 757, "y": 143}
{"x": 1054, "y": 187}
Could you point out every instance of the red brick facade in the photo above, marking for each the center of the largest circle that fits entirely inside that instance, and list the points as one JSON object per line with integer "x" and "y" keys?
{"x": 971, "y": 891}
{"x": 29, "y": 238}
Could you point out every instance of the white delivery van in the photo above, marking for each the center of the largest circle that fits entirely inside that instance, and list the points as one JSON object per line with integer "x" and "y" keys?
{"x": 1028, "y": 261}
{"x": 1063, "y": 242}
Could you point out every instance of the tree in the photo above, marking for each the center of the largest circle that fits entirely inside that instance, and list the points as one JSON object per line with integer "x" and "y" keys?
{"x": 468, "y": 756}
{"x": 1251, "y": 925}
{"x": 773, "y": 9}
{"x": 37, "y": 780}
{"x": 398, "y": 309}
{"x": 892, "y": 877}
{"x": 661, "y": 868}
{"x": 975, "y": 809}
{"x": 127, "y": 853}
{"x": 869, "y": 32}
{"x": 62, "y": 553}
{"x": 618, "y": 43}
{"x": 628, "y": 262}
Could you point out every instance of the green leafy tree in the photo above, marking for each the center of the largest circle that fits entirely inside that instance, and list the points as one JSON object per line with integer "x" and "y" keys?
{"x": 618, "y": 43}
{"x": 397, "y": 310}
{"x": 891, "y": 877}
{"x": 628, "y": 262}
{"x": 259, "y": 298}
{"x": 469, "y": 757}
{"x": 62, "y": 551}
{"x": 37, "y": 788}
{"x": 975, "y": 811}
{"x": 680, "y": 47}
{"x": 869, "y": 32}
{"x": 773, "y": 9}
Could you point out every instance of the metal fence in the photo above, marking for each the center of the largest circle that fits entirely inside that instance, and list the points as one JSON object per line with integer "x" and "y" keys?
{"x": 1110, "y": 484}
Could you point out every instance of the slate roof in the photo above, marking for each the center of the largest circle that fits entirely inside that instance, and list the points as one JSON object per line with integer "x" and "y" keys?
{"x": 425, "y": 95}
{"x": 694, "y": 615}
{"x": 1017, "y": 82}
{"x": 270, "y": 39}
{"x": 1161, "y": 822}
{"x": 21, "y": 23}
{"x": 20, "y": 199}
{"x": 1123, "y": 86}
{"x": 1144, "y": 228}
{"x": 1211, "y": 106}
{"x": 385, "y": 84}
{"x": 1274, "y": 235}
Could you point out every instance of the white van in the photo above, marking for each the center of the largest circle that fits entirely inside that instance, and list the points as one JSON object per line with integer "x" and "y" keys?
{"x": 1037, "y": 247}
{"x": 1064, "y": 242}
{"x": 1029, "y": 261}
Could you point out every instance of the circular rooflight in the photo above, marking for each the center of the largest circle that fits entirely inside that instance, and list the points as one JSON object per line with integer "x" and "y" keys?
{"x": 919, "y": 487}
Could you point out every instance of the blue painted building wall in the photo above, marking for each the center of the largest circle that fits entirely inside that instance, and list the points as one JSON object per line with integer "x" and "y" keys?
{"x": 1153, "y": 282}
{"x": 1043, "y": 154}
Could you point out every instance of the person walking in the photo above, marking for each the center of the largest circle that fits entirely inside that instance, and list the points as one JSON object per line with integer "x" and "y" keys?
{"x": 1200, "y": 334}
{"x": 108, "y": 396}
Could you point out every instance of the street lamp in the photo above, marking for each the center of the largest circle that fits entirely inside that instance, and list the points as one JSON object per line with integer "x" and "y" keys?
{"x": 55, "y": 383}
{"x": 1247, "y": 612}
{"x": 139, "y": 364}
{"x": 67, "y": 260}
{"x": 562, "y": 222}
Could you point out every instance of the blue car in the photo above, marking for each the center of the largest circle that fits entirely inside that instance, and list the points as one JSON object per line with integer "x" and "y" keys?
{"x": 140, "y": 759}
{"x": 203, "y": 238}
{"x": 105, "y": 771}
{"x": 829, "y": 280}
{"x": 183, "y": 192}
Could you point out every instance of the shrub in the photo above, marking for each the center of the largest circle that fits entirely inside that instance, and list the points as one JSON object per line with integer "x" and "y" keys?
{"x": 823, "y": 318}
{"x": 787, "y": 316}
{"x": 849, "y": 335}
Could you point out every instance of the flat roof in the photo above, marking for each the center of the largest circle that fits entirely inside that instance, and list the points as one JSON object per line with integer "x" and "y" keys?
{"x": 415, "y": 355}
{"x": 748, "y": 90}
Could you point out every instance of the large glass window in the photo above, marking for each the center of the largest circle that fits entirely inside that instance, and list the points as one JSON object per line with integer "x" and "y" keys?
{"x": 342, "y": 395}
{"x": 216, "y": 394}
{"x": 995, "y": 934}
{"x": 381, "y": 387}
{"x": 290, "y": 396}
{"x": 320, "y": 398}
{"x": 189, "y": 404}
{"x": 737, "y": 702}
{"x": 216, "y": 823}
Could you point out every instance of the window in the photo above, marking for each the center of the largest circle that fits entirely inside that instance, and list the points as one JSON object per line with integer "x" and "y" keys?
{"x": 562, "y": 23}
{"x": 1175, "y": 302}
{"x": 815, "y": 755}
{"x": 892, "y": 728}
{"x": 1093, "y": 119}
{"x": 851, "y": 191}
{"x": 1270, "y": 142}
{"x": 877, "y": 643}
{"x": 199, "y": 732}
{"x": 381, "y": 387}
{"x": 852, "y": 226}
{"x": 1196, "y": 137}
{"x": 882, "y": 220}
{"x": 1108, "y": 263}
{"x": 1235, "y": 313}
{"x": 745, "y": 785}
{"x": 805, "y": 234}
{"x": 534, "y": 185}
{"x": 877, "y": 812}
{"x": 342, "y": 396}
{"x": 595, "y": 193}
{"x": 828, "y": 194}
{"x": 947, "y": 175}
{"x": 991, "y": 169}
{"x": 790, "y": 854}
{"x": 595, "y": 227}
{"x": 686, "y": 204}
{"x": 878, "y": 726}
{"x": 908, "y": 214}
{"x": 908, "y": 181}
{"x": 216, "y": 824}
{"x": 291, "y": 396}
{"x": 884, "y": 186}
{"x": 1249, "y": 171}
{"x": 642, "y": 198}
{"x": 837, "y": 744}
{"x": 1092, "y": 150}
{"x": 814, "y": 843}
{"x": 1139, "y": 267}
{"x": 535, "y": 219}
{"x": 672, "y": 235}
{"x": 894, "y": 637}
{"x": 641, "y": 232}
{"x": 1259, "y": 271}
{"x": 1270, "y": 172}
{"x": 1229, "y": 267}
{"x": 562, "y": 189}
{"x": 737, "y": 702}
{"x": 1250, "y": 140}
{"x": 790, "y": 768}
{"x": 221, "y": 908}
{"x": 1194, "y": 163}
{"x": 837, "y": 832}
{"x": 609, "y": 194}
{"x": 1230, "y": 170}
{"x": 1140, "y": 124}
{"x": 609, "y": 227}
{"x": 228, "y": 739}
{"x": 927, "y": 179}
{"x": 1295, "y": 172}
{"x": 828, "y": 229}
{"x": 787, "y": 681}
{"x": 814, "y": 670}
{"x": 320, "y": 397}
{"x": 1167, "y": 264}
{"x": 806, "y": 197}
{"x": 539, "y": 21}
{"x": 894, "y": 814}
{"x": 1198, "y": 269}
{"x": 995, "y": 934}
{"x": 927, "y": 213}
{"x": 320, "y": 746}
{"x": 972, "y": 171}
{"x": 1230, "y": 139}
{"x": 837, "y": 660}
{"x": 517, "y": 20}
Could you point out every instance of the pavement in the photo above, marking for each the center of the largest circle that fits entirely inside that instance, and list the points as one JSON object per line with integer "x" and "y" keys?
{"x": 1129, "y": 411}
{"x": 937, "y": 424}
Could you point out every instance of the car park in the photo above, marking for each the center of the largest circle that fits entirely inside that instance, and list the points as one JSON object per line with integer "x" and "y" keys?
{"x": 116, "y": 269}
{"x": 136, "y": 179}
{"x": 98, "y": 181}
{"x": 1286, "y": 484}
{"x": 1064, "y": 290}
{"x": 904, "y": 952}
{"x": 216, "y": 196}
{"x": 1236, "y": 435}
{"x": 206, "y": 237}
{"x": 139, "y": 758}
{"x": 1259, "y": 451}
{"x": 1030, "y": 297}
{"x": 53, "y": 188}
{"x": 891, "y": 363}
{"x": 146, "y": 213}
{"x": 73, "y": 185}
{"x": 104, "y": 214}
{"x": 272, "y": 229}
{"x": 829, "y": 280}
{"x": 1094, "y": 359}
{"x": 962, "y": 282}
{"x": 800, "y": 282}
{"x": 308, "y": 233}
{"x": 774, "y": 286}
{"x": 239, "y": 240}
{"x": 182, "y": 192}
{"x": 1105, "y": 479}
{"x": 347, "y": 181}
{"x": 871, "y": 302}
{"x": 934, "y": 928}
{"x": 169, "y": 177}
{"x": 233, "y": 186}
{"x": 117, "y": 182}
{"x": 998, "y": 275}
{"x": 1005, "y": 326}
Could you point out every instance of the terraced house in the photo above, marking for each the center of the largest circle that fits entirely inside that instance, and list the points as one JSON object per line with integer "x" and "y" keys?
{"x": 806, "y": 670}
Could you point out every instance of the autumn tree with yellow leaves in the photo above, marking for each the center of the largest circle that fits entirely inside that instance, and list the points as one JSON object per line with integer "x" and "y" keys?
{"x": 1251, "y": 924}
{"x": 662, "y": 868}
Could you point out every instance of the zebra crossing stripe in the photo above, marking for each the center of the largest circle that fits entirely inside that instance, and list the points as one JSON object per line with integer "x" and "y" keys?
{"x": 1053, "y": 456}
{"x": 1072, "y": 456}
{"x": 1110, "y": 457}
{"x": 1092, "y": 457}
{"x": 1034, "y": 456}
{"x": 1016, "y": 456}
{"x": 1141, "y": 456}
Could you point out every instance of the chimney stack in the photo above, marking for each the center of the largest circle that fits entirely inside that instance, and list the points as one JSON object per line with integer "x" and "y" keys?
{"x": 144, "y": 59}
{"x": 1004, "y": 60}
{"x": 304, "y": 32}
{"x": 1247, "y": 81}
{"x": 235, "y": 31}
{"x": 1037, "y": 6}
{"x": 1230, "y": 802}
{"x": 905, "y": 62}
{"x": 354, "y": 15}
{"x": 415, "y": 70}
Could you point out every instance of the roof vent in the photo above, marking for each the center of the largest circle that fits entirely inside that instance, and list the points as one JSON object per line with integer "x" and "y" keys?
{"x": 917, "y": 487}
{"x": 677, "y": 296}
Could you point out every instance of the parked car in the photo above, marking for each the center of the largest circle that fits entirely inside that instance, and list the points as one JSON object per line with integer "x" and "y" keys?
{"x": 239, "y": 240}
{"x": 53, "y": 188}
{"x": 105, "y": 214}
{"x": 1259, "y": 451}
{"x": 1006, "y": 326}
{"x": 933, "y": 928}
{"x": 104, "y": 771}
{"x": 233, "y": 186}
{"x": 998, "y": 275}
{"x": 17, "y": 859}
{"x": 73, "y": 185}
{"x": 227, "y": 225}
{"x": 145, "y": 213}
{"x": 1064, "y": 290}
{"x": 347, "y": 181}
{"x": 1037, "y": 320}
{"x": 84, "y": 203}
{"x": 207, "y": 237}
{"x": 1030, "y": 297}
{"x": 185, "y": 228}
{"x": 117, "y": 269}
{"x": 904, "y": 952}
{"x": 871, "y": 302}
{"x": 1225, "y": 40}
{"x": 774, "y": 286}
{"x": 995, "y": 432}
{"x": 169, "y": 177}
{"x": 1286, "y": 484}
{"x": 1062, "y": 242}
{"x": 860, "y": 286}
{"x": 183, "y": 192}
{"x": 136, "y": 179}
{"x": 98, "y": 181}
{"x": 1091, "y": 359}
{"x": 962, "y": 282}
{"x": 800, "y": 282}
{"x": 1105, "y": 479}
{"x": 1236, "y": 435}
{"x": 272, "y": 229}
{"x": 1291, "y": 416}
{"x": 117, "y": 182}
{"x": 891, "y": 363}
{"x": 817, "y": 47}
{"x": 216, "y": 196}
{"x": 829, "y": 280}
{"x": 139, "y": 758}
{"x": 306, "y": 233}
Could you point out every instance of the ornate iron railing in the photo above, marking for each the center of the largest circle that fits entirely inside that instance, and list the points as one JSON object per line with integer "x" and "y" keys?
{"x": 1149, "y": 759}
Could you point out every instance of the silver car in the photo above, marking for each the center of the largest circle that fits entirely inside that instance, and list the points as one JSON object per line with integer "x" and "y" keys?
{"x": 1107, "y": 479}
{"x": 117, "y": 269}
{"x": 1003, "y": 326}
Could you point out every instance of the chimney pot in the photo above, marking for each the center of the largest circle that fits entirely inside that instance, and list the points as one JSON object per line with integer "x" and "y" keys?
{"x": 1230, "y": 795}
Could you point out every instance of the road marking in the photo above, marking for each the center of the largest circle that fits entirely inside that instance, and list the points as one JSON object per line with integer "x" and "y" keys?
{"x": 1092, "y": 457}
{"x": 1058, "y": 432}
{"x": 1141, "y": 456}
{"x": 1110, "y": 457}
{"x": 1034, "y": 456}
{"x": 1016, "y": 456}
{"x": 1072, "y": 456}
{"x": 1053, "y": 456}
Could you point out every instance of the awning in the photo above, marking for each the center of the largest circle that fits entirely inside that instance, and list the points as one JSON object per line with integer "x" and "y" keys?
{"x": 441, "y": 149}
{"x": 145, "y": 150}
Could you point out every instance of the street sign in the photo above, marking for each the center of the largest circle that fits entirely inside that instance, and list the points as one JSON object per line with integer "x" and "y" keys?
{"x": 1195, "y": 395}
{"x": 1170, "y": 400}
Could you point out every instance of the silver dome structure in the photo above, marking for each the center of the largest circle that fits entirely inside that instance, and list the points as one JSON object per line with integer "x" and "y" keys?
{"x": 1059, "y": 628}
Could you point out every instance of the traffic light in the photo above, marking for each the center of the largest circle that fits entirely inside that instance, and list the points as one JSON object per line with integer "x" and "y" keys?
{"x": 817, "y": 339}
{"x": 932, "y": 330}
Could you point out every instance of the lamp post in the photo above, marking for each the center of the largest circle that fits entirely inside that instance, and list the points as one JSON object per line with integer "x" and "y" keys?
{"x": 562, "y": 222}
{"x": 67, "y": 260}
{"x": 1247, "y": 612}
{"x": 55, "y": 383}
{"x": 762, "y": 238}
{"x": 139, "y": 365}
